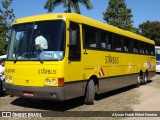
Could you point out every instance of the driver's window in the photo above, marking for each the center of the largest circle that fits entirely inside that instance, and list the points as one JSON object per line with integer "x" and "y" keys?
{"x": 21, "y": 43}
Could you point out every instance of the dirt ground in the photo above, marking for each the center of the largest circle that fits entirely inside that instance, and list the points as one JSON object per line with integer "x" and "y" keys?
{"x": 149, "y": 99}
{"x": 143, "y": 98}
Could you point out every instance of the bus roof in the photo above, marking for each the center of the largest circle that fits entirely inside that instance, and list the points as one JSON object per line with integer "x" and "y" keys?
{"x": 84, "y": 20}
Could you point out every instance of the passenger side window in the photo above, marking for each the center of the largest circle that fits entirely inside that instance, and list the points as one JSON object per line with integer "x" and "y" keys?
{"x": 142, "y": 48}
{"x": 126, "y": 45}
{"x": 152, "y": 48}
{"x": 135, "y": 47}
{"x": 147, "y": 49}
{"x": 90, "y": 37}
{"x": 106, "y": 40}
{"x": 118, "y": 43}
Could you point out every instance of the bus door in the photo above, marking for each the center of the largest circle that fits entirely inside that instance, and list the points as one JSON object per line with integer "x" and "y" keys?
{"x": 74, "y": 68}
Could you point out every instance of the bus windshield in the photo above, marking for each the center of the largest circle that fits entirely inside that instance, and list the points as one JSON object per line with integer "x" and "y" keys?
{"x": 44, "y": 40}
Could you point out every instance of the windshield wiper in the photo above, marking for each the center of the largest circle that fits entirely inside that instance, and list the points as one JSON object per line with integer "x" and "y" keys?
{"x": 41, "y": 61}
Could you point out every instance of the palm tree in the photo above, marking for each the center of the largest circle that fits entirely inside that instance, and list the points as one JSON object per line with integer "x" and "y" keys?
{"x": 50, "y": 4}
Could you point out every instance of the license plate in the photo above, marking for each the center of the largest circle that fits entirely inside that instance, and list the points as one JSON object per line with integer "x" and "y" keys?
{"x": 27, "y": 94}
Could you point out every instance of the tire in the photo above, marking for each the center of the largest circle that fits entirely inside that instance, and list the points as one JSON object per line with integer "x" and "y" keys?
{"x": 90, "y": 93}
{"x": 1, "y": 88}
{"x": 139, "y": 80}
{"x": 145, "y": 78}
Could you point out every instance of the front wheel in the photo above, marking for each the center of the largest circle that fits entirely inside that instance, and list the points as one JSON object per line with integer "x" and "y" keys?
{"x": 1, "y": 88}
{"x": 90, "y": 93}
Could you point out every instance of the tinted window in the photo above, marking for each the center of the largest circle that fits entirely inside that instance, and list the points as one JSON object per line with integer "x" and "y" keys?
{"x": 135, "y": 46}
{"x": 74, "y": 42}
{"x": 117, "y": 43}
{"x": 106, "y": 40}
{"x": 90, "y": 35}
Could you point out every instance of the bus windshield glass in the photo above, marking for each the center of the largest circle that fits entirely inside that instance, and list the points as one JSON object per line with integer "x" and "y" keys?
{"x": 44, "y": 40}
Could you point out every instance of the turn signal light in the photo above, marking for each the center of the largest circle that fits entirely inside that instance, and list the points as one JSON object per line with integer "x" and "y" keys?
{"x": 60, "y": 81}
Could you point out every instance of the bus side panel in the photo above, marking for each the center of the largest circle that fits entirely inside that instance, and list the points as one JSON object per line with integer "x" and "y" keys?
{"x": 113, "y": 83}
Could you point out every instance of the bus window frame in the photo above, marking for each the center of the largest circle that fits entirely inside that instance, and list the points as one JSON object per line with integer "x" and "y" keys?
{"x": 72, "y": 45}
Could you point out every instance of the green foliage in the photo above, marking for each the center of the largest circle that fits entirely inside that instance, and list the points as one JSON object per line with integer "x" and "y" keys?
{"x": 50, "y": 4}
{"x": 118, "y": 15}
{"x": 6, "y": 17}
{"x": 151, "y": 30}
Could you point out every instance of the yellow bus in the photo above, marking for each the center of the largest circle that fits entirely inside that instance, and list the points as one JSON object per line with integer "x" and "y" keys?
{"x": 74, "y": 56}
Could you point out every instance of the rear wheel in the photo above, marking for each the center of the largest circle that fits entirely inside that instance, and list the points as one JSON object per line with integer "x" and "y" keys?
{"x": 145, "y": 78}
{"x": 90, "y": 93}
{"x": 139, "y": 81}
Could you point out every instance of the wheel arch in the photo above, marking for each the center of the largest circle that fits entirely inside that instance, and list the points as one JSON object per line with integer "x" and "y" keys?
{"x": 147, "y": 72}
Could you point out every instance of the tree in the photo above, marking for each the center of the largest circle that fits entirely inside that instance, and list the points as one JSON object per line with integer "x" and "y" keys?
{"x": 117, "y": 14}
{"x": 6, "y": 17}
{"x": 151, "y": 30}
{"x": 50, "y": 4}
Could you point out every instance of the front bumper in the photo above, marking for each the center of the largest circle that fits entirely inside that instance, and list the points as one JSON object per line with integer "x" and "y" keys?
{"x": 46, "y": 92}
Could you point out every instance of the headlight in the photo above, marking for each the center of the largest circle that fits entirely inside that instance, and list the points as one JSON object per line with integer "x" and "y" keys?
{"x": 48, "y": 82}
{"x": 10, "y": 80}
{"x": 54, "y": 82}
{"x": 51, "y": 82}
{"x": 6, "y": 79}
